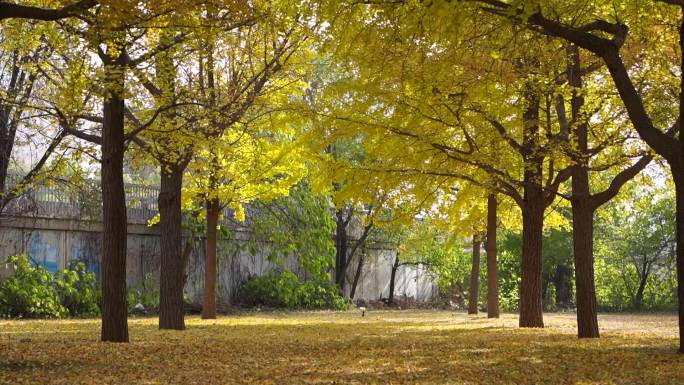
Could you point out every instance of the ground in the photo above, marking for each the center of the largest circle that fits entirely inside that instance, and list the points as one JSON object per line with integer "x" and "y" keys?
{"x": 385, "y": 347}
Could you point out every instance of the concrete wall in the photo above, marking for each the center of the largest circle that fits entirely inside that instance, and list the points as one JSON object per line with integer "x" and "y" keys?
{"x": 55, "y": 243}
{"x": 374, "y": 283}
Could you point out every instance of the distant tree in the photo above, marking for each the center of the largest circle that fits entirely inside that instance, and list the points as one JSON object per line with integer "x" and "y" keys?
{"x": 474, "y": 292}
{"x": 637, "y": 239}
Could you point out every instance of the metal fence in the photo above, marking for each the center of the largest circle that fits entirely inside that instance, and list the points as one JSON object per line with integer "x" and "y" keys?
{"x": 61, "y": 198}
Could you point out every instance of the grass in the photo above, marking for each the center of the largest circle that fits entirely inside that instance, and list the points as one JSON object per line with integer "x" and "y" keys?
{"x": 393, "y": 347}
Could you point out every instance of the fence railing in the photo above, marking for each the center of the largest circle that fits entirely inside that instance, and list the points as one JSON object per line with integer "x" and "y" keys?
{"x": 62, "y": 199}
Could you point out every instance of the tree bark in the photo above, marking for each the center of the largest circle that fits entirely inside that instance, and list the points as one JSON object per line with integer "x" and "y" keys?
{"x": 533, "y": 205}
{"x": 583, "y": 246}
{"x": 639, "y": 296}
{"x": 341, "y": 244}
{"x": 9, "y": 108}
{"x": 17, "y": 11}
{"x": 531, "y": 294}
{"x": 583, "y": 208}
{"x": 113, "y": 273}
{"x": 172, "y": 274}
{"x": 474, "y": 277}
{"x": 492, "y": 268}
{"x": 357, "y": 275}
{"x": 677, "y": 167}
{"x": 678, "y": 175}
{"x": 584, "y": 204}
{"x": 209, "y": 305}
{"x": 361, "y": 242}
{"x": 393, "y": 277}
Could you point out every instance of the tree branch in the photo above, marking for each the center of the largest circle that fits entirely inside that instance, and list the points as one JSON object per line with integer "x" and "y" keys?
{"x": 95, "y": 139}
{"x": 608, "y": 50}
{"x": 34, "y": 170}
{"x": 17, "y": 11}
{"x": 620, "y": 179}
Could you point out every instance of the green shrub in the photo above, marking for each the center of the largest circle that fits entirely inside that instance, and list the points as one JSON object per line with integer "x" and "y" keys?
{"x": 321, "y": 294}
{"x": 271, "y": 290}
{"x": 33, "y": 292}
{"x": 78, "y": 291}
{"x": 146, "y": 293}
{"x": 286, "y": 290}
{"x": 550, "y": 298}
{"x": 30, "y": 292}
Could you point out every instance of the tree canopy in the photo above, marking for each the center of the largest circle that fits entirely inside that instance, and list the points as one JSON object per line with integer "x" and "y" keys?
{"x": 431, "y": 126}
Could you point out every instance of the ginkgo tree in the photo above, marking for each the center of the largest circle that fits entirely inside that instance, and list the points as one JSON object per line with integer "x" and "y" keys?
{"x": 426, "y": 243}
{"x": 243, "y": 165}
{"x": 653, "y": 32}
{"x": 177, "y": 121}
{"x": 241, "y": 68}
{"x": 472, "y": 212}
{"x": 454, "y": 120}
{"x": 250, "y": 150}
{"x": 369, "y": 202}
{"x": 116, "y": 34}
{"x": 123, "y": 36}
{"x": 27, "y": 94}
{"x": 405, "y": 95}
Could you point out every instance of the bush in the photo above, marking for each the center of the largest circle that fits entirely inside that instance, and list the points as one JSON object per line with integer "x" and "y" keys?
{"x": 146, "y": 294}
{"x": 33, "y": 292}
{"x": 321, "y": 294}
{"x": 30, "y": 292}
{"x": 78, "y": 291}
{"x": 271, "y": 290}
{"x": 286, "y": 290}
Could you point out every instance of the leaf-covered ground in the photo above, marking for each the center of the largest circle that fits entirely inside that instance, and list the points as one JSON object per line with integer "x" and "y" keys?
{"x": 394, "y": 347}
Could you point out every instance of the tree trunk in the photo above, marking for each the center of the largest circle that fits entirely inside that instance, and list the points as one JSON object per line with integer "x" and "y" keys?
{"x": 172, "y": 274}
{"x": 564, "y": 284}
{"x": 582, "y": 210}
{"x": 474, "y": 277}
{"x": 639, "y": 296}
{"x": 583, "y": 240}
{"x": 678, "y": 176}
{"x": 357, "y": 275}
{"x": 492, "y": 268}
{"x": 15, "y": 95}
{"x": 113, "y": 273}
{"x": 361, "y": 242}
{"x": 393, "y": 277}
{"x": 583, "y": 250}
{"x": 341, "y": 243}
{"x": 209, "y": 305}
{"x": 5, "y": 148}
{"x": 532, "y": 206}
{"x": 531, "y": 295}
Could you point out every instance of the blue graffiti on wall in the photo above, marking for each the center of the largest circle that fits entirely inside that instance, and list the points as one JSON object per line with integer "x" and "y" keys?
{"x": 43, "y": 253}
{"x": 79, "y": 254}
